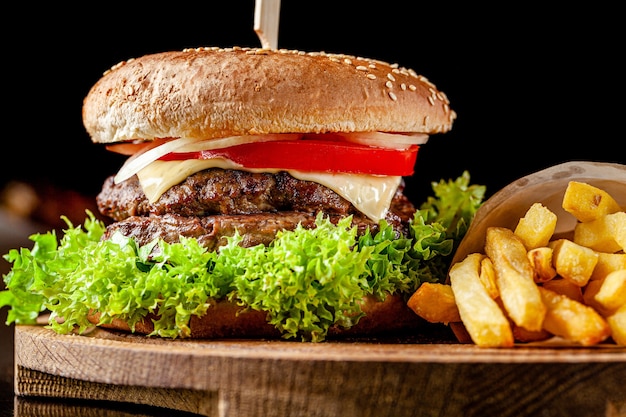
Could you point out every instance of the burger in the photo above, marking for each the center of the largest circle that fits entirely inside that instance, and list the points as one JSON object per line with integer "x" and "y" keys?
{"x": 262, "y": 196}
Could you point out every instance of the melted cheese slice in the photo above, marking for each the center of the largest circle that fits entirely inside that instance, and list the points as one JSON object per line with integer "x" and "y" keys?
{"x": 370, "y": 194}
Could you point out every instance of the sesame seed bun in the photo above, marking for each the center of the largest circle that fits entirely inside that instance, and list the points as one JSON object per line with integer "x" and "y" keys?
{"x": 210, "y": 92}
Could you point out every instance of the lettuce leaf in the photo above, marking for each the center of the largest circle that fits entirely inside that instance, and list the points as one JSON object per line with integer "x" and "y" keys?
{"x": 307, "y": 280}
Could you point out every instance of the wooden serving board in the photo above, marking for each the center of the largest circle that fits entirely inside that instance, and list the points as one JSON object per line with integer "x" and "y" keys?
{"x": 334, "y": 378}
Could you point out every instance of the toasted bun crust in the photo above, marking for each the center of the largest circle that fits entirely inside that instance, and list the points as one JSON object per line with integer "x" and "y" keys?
{"x": 210, "y": 92}
{"x": 227, "y": 320}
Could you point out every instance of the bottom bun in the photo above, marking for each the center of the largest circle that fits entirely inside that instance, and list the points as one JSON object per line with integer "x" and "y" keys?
{"x": 228, "y": 320}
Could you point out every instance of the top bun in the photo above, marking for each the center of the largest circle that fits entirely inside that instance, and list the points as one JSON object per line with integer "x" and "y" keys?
{"x": 211, "y": 92}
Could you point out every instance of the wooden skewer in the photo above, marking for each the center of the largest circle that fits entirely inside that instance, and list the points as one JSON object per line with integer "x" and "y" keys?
{"x": 266, "y": 18}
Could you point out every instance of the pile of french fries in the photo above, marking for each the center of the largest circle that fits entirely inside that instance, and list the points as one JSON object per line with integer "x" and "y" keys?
{"x": 530, "y": 285}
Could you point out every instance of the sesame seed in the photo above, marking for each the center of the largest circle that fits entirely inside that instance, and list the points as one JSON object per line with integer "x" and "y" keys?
{"x": 371, "y": 76}
{"x": 431, "y": 101}
{"x": 361, "y": 68}
{"x": 389, "y": 84}
{"x": 392, "y": 96}
{"x": 391, "y": 77}
{"x": 412, "y": 87}
{"x": 403, "y": 86}
{"x": 347, "y": 61}
{"x": 425, "y": 81}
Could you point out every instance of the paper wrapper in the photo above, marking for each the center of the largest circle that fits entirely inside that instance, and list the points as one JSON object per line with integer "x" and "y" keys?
{"x": 507, "y": 206}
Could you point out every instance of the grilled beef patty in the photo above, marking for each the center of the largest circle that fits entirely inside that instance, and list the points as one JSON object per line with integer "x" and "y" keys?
{"x": 218, "y": 191}
{"x": 212, "y": 204}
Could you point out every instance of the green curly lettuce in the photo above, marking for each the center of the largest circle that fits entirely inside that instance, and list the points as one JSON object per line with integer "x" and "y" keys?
{"x": 306, "y": 280}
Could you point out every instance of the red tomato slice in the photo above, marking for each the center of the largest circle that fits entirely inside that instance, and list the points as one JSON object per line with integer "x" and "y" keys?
{"x": 314, "y": 156}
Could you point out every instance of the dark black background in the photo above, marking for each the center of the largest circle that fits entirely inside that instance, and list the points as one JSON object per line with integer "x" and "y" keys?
{"x": 532, "y": 86}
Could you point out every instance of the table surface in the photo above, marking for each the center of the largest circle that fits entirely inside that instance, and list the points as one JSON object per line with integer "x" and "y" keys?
{"x": 491, "y": 383}
{"x": 11, "y": 406}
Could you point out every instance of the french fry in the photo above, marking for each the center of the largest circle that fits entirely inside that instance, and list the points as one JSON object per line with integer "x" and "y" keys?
{"x": 434, "y": 303}
{"x": 459, "y": 330}
{"x": 612, "y": 293}
{"x": 607, "y": 263}
{"x": 515, "y": 278}
{"x": 522, "y": 335}
{"x": 487, "y": 276}
{"x": 572, "y": 320}
{"x": 536, "y": 227}
{"x": 573, "y": 261}
{"x": 482, "y": 317}
{"x": 541, "y": 262}
{"x": 587, "y": 203}
{"x": 617, "y": 322}
{"x": 604, "y": 234}
{"x": 589, "y": 298}
{"x": 565, "y": 287}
